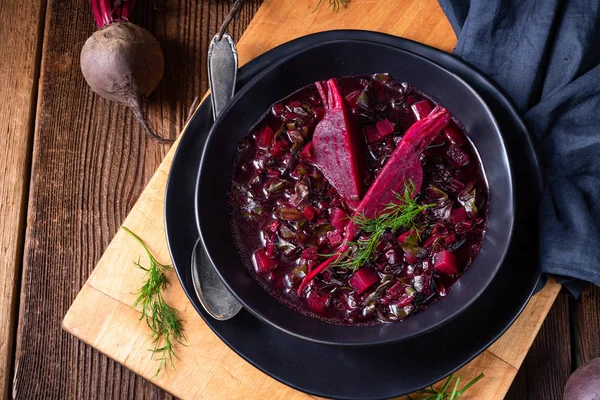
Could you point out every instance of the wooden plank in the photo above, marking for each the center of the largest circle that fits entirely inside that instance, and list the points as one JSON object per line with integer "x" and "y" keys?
{"x": 90, "y": 163}
{"x": 21, "y": 32}
{"x": 116, "y": 278}
{"x": 587, "y": 325}
{"x": 547, "y": 366}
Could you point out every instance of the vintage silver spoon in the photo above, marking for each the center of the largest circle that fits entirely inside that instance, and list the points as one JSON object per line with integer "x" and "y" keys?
{"x": 214, "y": 296}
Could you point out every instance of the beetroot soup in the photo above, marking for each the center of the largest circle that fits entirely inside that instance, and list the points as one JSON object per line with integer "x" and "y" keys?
{"x": 358, "y": 200}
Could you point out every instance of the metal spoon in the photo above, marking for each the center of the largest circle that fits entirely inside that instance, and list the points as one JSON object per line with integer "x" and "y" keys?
{"x": 214, "y": 296}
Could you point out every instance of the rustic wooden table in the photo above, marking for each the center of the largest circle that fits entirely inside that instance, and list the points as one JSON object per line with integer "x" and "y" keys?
{"x": 73, "y": 166}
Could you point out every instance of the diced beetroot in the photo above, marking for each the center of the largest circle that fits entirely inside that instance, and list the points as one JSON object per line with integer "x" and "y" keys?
{"x": 363, "y": 279}
{"x": 273, "y": 173}
{"x": 338, "y": 218}
{"x": 317, "y": 302}
{"x": 410, "y": 259}
{"x": 371, "y": 133}
{"x": 385, "y": 128}
{"x": 421, "y": 109}
{"x": 309, "y": 212}
{"x": 453, "y": 134}
{"x": 264, "y": 137}
{"x": 263, "y": 262}
{"x": 308, "y": 151}
{"x": 270, "y": 249}
{"x": 458, "y": 215}
{"x": 445, "y": 262}
{"x": 457, "y": 155}
{"x": 431, "y": 240}
{"x": 335, "y": 238}
{"x": 310, "y": 253}
{"x": 455, "y": 185}
{"x": 338, "y": 150}
{"x": 422, "y": 283}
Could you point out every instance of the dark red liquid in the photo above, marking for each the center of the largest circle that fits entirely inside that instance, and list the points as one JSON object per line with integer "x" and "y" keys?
{"x": 274, "y": 184}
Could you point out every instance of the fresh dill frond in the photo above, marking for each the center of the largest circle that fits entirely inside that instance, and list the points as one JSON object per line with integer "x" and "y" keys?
{"x": 433, "y": 394}
{"x": 335, "y": 4}
{"x": 395, "y": 215}
{"x": 163, "y": 320}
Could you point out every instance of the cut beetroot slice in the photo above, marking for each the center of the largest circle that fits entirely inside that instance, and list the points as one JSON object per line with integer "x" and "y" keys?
{"x": 421, "y": 109}
{"x": 363, "y": 279}
{"x": 445, "y": 262}
{"x": 338, "y": 218}
{"x": 263, "y": 262}
{"x": 337, "y": 146}
{"x": 264, "y": 137}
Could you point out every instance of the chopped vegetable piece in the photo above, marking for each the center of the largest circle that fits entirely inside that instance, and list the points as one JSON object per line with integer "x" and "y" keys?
{"x": 421, "y": 109}
{"x": 338, "y": 218}
{"x": 317, "y": 302}
{"x": 371, "y": 133}
{"x": 363, "y": 279}
{"x": 263, "y": 262}
{"x": 335, "y": 238}
{"x": 308, "y": 151}
{"x": 454, "y": 135}
{"x": 264, "y": 137}
{"x": 309, "y": 212}
{"x": 458, "y": 157}
{"x": 385, "y": 128}
{"x": 337, "y": 144}
{"x": 445, "y": 262}
{"x": 458, "y": 215}
{"x": 310, "y": 253}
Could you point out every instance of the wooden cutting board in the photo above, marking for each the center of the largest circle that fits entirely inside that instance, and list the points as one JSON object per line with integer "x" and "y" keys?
{"x": 102, "y": 314}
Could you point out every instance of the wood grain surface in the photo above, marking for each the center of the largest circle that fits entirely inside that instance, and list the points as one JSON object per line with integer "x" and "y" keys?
{"x": 19, "y": 71}
{"x": 90, "y": 164}
{"x": 219, "y": 373}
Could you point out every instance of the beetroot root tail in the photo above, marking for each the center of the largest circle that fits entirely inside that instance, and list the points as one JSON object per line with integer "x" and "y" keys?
{"x": 135, "y": 104}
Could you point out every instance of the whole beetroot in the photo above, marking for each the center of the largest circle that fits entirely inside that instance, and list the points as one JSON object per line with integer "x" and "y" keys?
{"x": 584, "y": 383}
{"x": 122, "y": 62}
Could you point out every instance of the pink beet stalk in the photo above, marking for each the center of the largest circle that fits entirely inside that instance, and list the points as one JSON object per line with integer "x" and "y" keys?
{"x": 403, "y": 166}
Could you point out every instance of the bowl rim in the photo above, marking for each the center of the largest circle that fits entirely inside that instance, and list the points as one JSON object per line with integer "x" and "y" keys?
{"x": 438, "y": 324}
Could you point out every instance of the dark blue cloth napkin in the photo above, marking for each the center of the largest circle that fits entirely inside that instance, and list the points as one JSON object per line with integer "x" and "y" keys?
{"x": 545, "y": 54}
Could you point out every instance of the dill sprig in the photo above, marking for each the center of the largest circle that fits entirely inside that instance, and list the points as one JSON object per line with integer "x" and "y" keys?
{"x": 163, "y": 320}
{"x": 335, "y": 4}
{"x": 432, "y": 394}
{"x": 395, "y": 215}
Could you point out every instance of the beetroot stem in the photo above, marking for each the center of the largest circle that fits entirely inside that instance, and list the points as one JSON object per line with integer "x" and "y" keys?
{"x": 109, "y": 11}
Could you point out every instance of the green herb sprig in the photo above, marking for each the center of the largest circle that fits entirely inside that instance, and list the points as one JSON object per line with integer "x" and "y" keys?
{"x": 394, "y": 216}
{"x": 163, "y": 320}
{"x": 335, "y": 4}
{"x": 433, "y": 394}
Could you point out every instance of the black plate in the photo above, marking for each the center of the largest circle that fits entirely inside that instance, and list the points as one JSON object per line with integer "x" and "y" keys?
{"x": 317, "y": 63}
{"x": 382, "y": 371}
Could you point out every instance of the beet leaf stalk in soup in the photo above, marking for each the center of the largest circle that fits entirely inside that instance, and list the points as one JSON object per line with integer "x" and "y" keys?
{"x": 403, "y": 166}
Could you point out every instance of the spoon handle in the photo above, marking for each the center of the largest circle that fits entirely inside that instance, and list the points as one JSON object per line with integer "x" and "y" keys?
{"x": 222, "y": 72}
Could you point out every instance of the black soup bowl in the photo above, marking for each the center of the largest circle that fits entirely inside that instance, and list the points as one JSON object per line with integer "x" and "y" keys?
{"x": 328, "y": 60}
